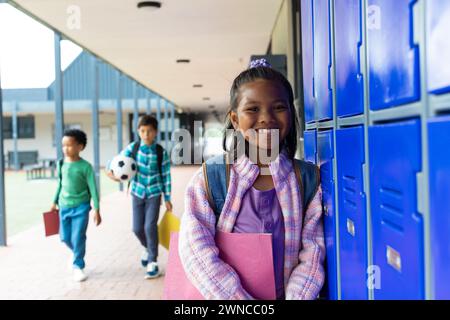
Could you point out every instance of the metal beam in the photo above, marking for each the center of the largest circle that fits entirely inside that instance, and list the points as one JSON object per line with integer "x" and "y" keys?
{"x": 166, "y": 127}
{"x": 15, "y": 136}
{"x": 119, "y": 119}
{"x": 2, "y": 179}
{"x": 95, "y": 119}
{"x": 135, "y": 112}
{"x": 172, "y": 126}
{"x": 147, "y": 102}
{"x": 59, "y": 111}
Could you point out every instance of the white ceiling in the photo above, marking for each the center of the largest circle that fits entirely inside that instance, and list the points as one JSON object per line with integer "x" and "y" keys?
{"x": 218, "y": 36}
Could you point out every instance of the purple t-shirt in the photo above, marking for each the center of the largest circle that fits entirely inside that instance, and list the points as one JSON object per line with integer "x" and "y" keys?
{"x": 261, "y": 213}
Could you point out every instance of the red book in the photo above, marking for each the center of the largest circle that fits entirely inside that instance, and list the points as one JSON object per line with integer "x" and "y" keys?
{"x": 51, "y": 223}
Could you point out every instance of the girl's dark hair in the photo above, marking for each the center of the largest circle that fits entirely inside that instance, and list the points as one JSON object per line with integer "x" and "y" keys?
{"x": 79, "y": 136}
{"x": 148, "y": 120}
{"x": 261, "y": 73}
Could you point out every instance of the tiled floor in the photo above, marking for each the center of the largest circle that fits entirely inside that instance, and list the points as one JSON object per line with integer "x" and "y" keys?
{"x": 35, "y": 267}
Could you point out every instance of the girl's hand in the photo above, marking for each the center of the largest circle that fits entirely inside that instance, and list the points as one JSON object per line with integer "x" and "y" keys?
{"x": 53, "y": 207}
{"x": 168, "y": 206}
{"x": 97, "y": 218}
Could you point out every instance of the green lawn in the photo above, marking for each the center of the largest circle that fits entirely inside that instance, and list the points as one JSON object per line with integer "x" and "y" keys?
{"x": 27, "y": 200}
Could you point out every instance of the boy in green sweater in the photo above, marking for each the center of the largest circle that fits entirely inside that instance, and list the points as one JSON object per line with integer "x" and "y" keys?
{"x": 75, "y": 189}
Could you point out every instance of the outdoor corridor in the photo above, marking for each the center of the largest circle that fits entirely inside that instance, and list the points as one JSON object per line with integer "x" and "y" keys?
{"x": 35, "y": 267}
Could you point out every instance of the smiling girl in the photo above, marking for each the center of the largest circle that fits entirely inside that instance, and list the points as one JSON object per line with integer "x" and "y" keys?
{"x": 263, "y": 196}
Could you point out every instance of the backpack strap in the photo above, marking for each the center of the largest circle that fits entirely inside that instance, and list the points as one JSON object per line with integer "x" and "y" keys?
{"x": 308, "y": 177}
{"x": 135, "y": 150}
{"x": 60, "y": 164}
{"x": 159, "y": 155}
{"x": 216, "y": 172}
{"x": 134, "y": 153}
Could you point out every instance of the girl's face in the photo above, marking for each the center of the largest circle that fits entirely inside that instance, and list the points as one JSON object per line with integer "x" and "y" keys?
{"x": 262, "y": 112}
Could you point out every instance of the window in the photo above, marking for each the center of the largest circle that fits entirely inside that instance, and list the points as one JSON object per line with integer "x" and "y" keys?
{"x": 25, "y": 127}
{"x": 7, "y": 128}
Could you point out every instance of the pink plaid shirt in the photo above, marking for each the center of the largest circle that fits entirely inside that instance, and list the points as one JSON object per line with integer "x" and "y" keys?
{"x": 304, "y": 247}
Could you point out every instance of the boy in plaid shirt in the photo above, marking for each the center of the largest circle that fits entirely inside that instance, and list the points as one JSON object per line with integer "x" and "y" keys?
{"x": 152, "y": 179}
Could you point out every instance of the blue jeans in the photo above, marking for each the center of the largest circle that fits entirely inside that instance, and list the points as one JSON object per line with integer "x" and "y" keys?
{"x": 72, "y": 230}
{"x": 145, "y": 223}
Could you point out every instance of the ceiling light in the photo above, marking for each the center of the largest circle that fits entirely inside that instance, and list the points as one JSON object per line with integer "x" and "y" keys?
{"x": 149, "y": 5}
{"x": 211, "y": 107}
{"x": 206, "y": 99}
{"x": 198, "y": 86}
{"x": 183, "y": 60}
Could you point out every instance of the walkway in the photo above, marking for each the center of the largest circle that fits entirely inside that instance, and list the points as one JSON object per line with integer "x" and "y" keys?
{"x": 35, "y": 267}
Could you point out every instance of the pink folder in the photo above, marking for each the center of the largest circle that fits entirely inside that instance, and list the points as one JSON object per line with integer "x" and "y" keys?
{"x": 249, "y": 254}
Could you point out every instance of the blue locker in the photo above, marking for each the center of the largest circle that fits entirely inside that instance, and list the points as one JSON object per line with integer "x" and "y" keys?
{"x": 394, "y": 74}
{"x": 348, "y": 40}
{"x": 326, "y": 156}
{"x": 352, "y": 213}
{"x": 308, "y": 58}
{"x": 438, "y": 48}
{"x": 322, "y": 60}
{"x": 439, "y": 155}
{"x": 310, "y": 146}
{"x": 395, "y": 159}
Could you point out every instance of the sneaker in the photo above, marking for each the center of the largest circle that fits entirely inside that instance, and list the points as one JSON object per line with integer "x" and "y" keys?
{"x": 79, "y": 275}
{"x": 144, "y": 258}
{"x": 152, "y": 271}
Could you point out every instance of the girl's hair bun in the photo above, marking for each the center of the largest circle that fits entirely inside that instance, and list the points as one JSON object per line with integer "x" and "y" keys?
{"x": 259, "y": 63}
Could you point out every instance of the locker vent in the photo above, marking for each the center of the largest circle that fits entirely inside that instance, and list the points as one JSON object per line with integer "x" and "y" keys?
{"x": 391, "y": 211}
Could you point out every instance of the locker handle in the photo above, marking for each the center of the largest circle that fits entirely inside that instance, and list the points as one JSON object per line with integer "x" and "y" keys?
{"x": 394, "y": 258}
{"x": 351, "y": 227}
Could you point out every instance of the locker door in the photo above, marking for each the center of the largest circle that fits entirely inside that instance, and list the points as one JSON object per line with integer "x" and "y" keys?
{"x": 308, "y": 58}
{"x": 326, "y": 156}
{"x": 310, "y": 146}
{"x": 439, "y": 155}
{"x": 348, "y": 40}
{"x": 394, "y": 77}
{"x": 395, "y": 159}
{"x": 352, "y": 213}
{"x": 322, "y": 60}
{"x": 438, "y": 45}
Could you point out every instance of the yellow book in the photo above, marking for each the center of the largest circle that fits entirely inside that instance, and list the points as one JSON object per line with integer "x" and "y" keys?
{"x": 169, "y": 223}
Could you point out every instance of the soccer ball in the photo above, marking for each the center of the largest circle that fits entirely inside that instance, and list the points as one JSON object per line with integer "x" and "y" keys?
{"x": 123, "y": 168}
